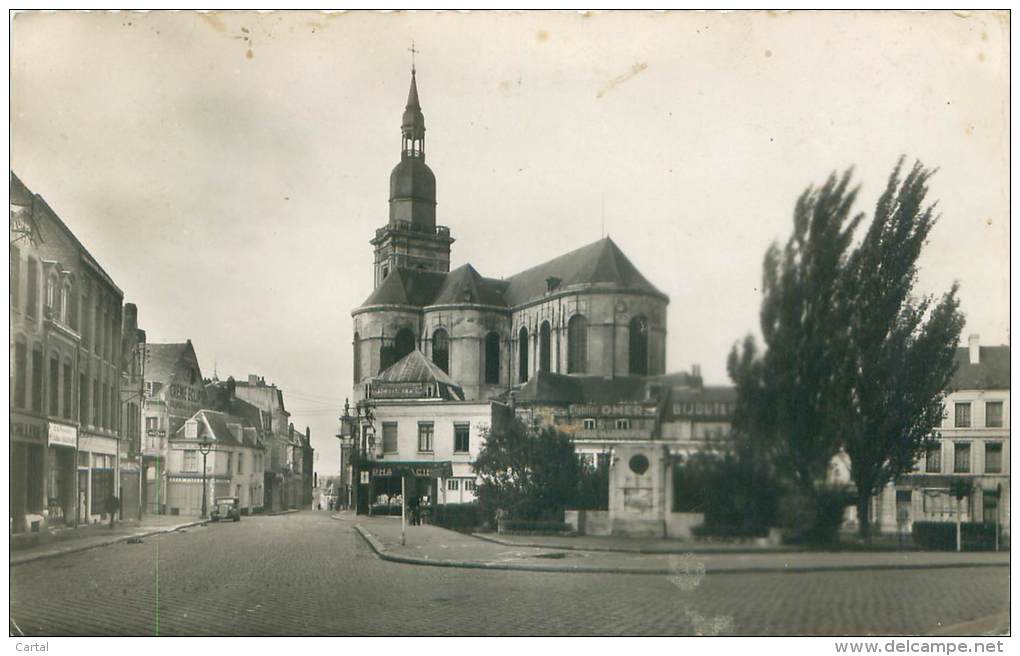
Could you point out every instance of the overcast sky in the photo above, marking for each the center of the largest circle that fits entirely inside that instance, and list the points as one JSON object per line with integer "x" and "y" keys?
{"x": 228, "y": 170}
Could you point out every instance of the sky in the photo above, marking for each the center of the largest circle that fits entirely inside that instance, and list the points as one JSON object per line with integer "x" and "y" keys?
{"x": 228, "y": 169}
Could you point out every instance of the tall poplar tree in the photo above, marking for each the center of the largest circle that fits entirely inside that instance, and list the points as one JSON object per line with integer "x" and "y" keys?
{"x": 897, "y": 352}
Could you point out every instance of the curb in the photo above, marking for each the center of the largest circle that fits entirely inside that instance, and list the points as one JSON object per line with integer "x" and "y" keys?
{"x": 650, "y": 552}
{"x": 30, "y": 558}
{"x": 381, "y": 551}
{"x": 282, "y": 512}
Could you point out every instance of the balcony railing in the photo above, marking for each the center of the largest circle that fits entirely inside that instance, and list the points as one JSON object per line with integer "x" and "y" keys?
{"x": 408, "y": 226}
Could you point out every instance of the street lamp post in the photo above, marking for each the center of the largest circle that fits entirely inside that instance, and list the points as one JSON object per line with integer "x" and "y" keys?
{"x": 204, "y": 446}
{"x": 358, "y": 429}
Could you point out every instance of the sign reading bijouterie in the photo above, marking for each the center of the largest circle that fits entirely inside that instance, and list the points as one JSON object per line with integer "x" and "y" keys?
{"x": 63, "y": 435}
{"x": 703, "y": 409}
{"x": 442, "y": 469}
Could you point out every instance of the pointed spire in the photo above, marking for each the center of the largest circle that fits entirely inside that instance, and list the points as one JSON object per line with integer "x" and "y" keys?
{"x": 412, "y": 95}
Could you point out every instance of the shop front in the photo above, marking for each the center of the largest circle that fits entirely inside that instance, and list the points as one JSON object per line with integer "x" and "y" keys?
{"x": 98, "y": 477}
{"x": 419, "y": 488}
{"x": 28, "y": 479}
{"x": 60, "y": 468}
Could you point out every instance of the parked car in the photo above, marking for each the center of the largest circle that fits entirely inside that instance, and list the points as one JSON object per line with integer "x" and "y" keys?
{"x": 226, "y": 508}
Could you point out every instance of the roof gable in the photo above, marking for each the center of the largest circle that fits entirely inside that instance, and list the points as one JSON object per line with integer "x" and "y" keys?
{"x": 991, "y": 371}
{"x": 161, "y": 361}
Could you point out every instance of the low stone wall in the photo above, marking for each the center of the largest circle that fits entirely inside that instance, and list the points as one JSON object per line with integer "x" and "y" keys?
{"x": 679, "y": 525}
{"x": 588, "y": 522}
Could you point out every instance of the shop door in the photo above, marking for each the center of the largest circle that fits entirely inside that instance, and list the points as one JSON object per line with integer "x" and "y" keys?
{"x": 102, "y": 490}
{"x": 83, "y": 496}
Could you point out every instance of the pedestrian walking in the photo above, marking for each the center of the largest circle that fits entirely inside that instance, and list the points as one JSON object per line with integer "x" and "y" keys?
{"x": 112, "y": 506}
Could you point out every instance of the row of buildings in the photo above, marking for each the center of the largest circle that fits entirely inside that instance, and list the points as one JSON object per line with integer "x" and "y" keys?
{"x": 96, "y": 412}
{"x": 579, "y": 343}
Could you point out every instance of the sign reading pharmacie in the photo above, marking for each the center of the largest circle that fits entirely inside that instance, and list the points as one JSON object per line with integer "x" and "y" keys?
{"x": 62, "y": 435}
{"x": 420, "y": 469}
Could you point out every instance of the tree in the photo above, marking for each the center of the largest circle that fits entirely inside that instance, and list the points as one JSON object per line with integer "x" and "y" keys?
{"x": 897, "y": 352}
{"x": 529, "y": 472}
{"x": 785, "y": 396}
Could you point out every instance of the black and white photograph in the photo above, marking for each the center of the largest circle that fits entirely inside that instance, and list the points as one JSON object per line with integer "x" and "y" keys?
{"x": 414, "y": 323}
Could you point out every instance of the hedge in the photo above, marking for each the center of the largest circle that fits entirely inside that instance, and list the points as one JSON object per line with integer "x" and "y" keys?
{"x": 457, "y": 516}
{"x": 384, "y": 509}
{"x": 974, "y": 536}
{"x": 534, "y": 526}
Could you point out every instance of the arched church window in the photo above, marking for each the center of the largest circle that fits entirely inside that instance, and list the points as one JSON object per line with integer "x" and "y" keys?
{"x": 404, "y": 343}
{"x": 357, "y": 358}
{"x": 441, "y": 350}
{"x": 577, "y": 345}
{"x": 522, "y": 352}
{"x": 638, "y": 346}
{"x": 492, "y": 359}
{"x": 544, "y": 347}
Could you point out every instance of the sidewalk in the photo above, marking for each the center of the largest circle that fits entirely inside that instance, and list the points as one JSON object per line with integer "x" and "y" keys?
{"x": 433, "y": 546}
{"x": 620, "y": 544}
{"x": 69, "y": 540}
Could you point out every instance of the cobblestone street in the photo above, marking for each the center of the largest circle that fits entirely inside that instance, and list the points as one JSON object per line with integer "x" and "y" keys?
{"x": 306, "y": 574}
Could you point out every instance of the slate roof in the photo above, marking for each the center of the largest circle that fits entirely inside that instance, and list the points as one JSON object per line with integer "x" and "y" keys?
{"x": 547, "y": 387}
{"x": 991, "y": 371}
{"x": 601, "y": 262}
{"x": 219, "y": 422}
{"x": 160, "y": 360}
{"x": 416, "y": 368}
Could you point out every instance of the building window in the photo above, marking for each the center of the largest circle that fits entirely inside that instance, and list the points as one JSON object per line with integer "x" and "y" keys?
{"x": 389, "y": 437}
{"x": 54, "y": 387}
{"x": 67, "y": 390}
{"x": 15, "y": 281}
{"x": 425, "y": 432}
{"x": 522, "y": 352}
{"x": 96, "y": 399}
{"x": 589, "y": 424}
{"x": 32, "y": 295}
{"x": 441, "y": 350}
{"x": 83, "y": 399}
{"x": 492, "y": 359}
{"x": 577, "y": 345}
{"x": 993, "y": 414}
{"x": 191, "y": 460}
{"x": 623, "y": 424}
{"x": 152, "y": 424}
{"x": 190, "y": 427}
{"x": 37, "y": 379}
{"x": 962, "y": 415}
{"x": 452, "y": 484}
{"x": 461, "y": 438}
{"x": 961, "y": 458}
{"x": 935, "y": 502}
{"x": 357, "y": 358}
{"x": 933, "y": 460}
{"x": 404, "y": 343}
{"x": 230, "y": 462}
{"x": 544, "y": 347}
{"x": 993, "y": 457}
{"x": 638, "y": 342}
{"x": 469, "y": 485}
{"x": 990, "y": 507}
{"x": 52, "y": 298}
{"x": 20, "y": 375}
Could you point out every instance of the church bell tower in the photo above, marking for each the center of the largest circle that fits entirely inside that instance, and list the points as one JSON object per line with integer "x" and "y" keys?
{"x": 411, "y": 239}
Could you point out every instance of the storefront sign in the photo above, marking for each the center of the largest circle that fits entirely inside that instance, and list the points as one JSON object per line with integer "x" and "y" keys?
{"x": 442, "y": 469}
{"x": 611, "y": 410}
{"x": 703, "y": 409}
{"x": 63, "y": 435}
{"x": 28, "y": 430}
{"x": 382, "y": 390}
{"x": 186, "y": 393}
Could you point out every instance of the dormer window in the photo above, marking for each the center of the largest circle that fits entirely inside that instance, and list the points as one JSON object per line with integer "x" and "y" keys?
{"x": 552, "y": 283}
{"x": 191, "y": 430}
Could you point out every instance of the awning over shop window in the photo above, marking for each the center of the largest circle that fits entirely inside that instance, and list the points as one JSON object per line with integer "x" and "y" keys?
{"x": 420, "y": 469}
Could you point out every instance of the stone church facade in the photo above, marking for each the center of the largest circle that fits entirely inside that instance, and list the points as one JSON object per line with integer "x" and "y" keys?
{"x": 589, "y": 312}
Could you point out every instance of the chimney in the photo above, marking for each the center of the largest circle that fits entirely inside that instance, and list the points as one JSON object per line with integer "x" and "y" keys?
{"x": 253, "y": 379}
{"x": 974, "y": 346}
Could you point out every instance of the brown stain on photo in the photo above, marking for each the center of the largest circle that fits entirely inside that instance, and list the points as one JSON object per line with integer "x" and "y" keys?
{"x": 214, "y": 21}
{"x": 620, "y": 79}
{"x": 542, "y": 36}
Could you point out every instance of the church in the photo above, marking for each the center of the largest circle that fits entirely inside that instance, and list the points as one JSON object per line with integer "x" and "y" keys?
{"x": 588, "y": 312}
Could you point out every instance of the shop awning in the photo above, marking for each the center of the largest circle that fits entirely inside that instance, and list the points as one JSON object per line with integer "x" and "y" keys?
{"x": 417, "y": 468}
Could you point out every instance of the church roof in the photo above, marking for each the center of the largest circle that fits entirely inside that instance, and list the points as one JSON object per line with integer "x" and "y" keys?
{"x": 548, "y": 387}
{"x": 407, "y": 287}
{"x": 599, "y": 262}
{"x": 465, "y": 285}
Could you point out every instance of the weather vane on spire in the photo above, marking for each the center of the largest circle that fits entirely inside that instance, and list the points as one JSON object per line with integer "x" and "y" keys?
{"x": 413, "y": 52}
